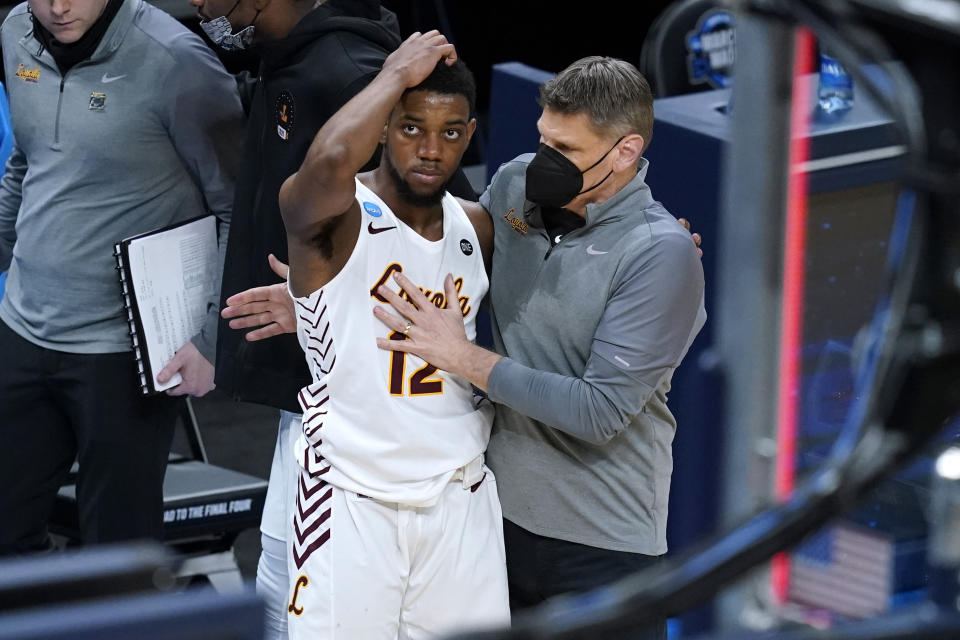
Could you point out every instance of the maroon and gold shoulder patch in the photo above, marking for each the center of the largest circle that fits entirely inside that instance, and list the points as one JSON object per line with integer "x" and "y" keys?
{"x": 518, "y": 225}
{"x": 28, "y": 75}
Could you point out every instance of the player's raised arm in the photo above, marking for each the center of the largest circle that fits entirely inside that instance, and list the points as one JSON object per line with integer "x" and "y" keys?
{"x": 323, "y": 188}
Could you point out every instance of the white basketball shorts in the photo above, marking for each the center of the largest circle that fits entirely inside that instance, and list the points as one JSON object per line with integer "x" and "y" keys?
{"x": 364, "y": 569}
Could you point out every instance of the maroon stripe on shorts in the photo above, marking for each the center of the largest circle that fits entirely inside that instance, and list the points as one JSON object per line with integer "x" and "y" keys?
{"x": 299, "y": 560}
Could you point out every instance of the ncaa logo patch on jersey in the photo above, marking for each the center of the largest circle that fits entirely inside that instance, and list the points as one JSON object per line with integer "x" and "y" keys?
{"x": 372, "y": 209}
{"x": 466, "y": 247}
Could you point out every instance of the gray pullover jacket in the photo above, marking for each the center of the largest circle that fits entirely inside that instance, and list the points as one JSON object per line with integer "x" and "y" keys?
{"x": 143, "y": 134}
{"x": 593, "y": 329}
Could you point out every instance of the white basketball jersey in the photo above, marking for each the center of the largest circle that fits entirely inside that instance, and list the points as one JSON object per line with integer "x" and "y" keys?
{"x": 381, "y": 423}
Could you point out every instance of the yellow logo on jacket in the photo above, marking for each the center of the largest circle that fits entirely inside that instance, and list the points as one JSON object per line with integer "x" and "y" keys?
{"x": 518, "y": 225}
{"x": 28, "y": 75}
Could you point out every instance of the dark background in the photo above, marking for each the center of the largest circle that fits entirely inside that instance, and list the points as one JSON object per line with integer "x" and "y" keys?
{"x": 545, "y": 35}
{"x": 542, "y": 35}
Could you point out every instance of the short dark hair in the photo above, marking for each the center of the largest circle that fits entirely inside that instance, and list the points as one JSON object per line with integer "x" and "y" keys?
{"x": 612, "y": 93}
{"x": 455, "y": 79}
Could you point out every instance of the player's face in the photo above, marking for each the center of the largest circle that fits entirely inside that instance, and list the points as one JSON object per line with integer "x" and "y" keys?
{"x": 425, "y": 139}
{"x": 67, "y": 20}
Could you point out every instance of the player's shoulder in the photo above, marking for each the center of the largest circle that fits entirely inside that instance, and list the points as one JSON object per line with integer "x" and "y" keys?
{"x": 368, "y": 202}
{"x": 471, "y": 208}
{"x": 479, "y": 218}
{"x": 475, "y": 213}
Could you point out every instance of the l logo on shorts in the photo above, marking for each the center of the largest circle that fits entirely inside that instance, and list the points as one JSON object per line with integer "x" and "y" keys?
{"x": 302, "y": 581}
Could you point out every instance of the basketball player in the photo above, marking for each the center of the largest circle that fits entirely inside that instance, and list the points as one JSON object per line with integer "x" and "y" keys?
{"x": 397, "y": 527}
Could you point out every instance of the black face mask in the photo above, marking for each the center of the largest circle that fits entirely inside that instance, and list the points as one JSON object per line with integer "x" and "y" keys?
{"x": 553, "y": 181}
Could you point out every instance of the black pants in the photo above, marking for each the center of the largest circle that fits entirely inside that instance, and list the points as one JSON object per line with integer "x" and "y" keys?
{"x": 55, "y": 407}
{"x": 539, "y": 568}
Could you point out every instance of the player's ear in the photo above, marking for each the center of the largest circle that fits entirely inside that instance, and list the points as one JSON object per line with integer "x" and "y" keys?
{"x": 471, "y": 128}
{"x": 386, "y": 127}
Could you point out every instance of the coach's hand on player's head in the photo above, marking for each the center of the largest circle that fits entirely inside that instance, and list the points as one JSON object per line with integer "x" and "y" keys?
{"x": 434, "y": 334}
{"x": 196, "y": 371}
{"x": 418, "y": 56}
{"x": 269, "y": 308}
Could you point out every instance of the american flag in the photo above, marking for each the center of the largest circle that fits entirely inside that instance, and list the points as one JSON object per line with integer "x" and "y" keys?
{"x": 844, "y": 569}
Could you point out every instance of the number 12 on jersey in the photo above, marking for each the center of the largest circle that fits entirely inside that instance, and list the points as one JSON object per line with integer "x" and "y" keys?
{"x": 421, "y": 384}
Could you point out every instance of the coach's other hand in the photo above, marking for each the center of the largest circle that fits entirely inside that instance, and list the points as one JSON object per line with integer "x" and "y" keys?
{"x": 435, "y": 335}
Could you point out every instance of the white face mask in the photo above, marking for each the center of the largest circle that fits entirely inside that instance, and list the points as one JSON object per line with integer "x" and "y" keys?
{"x": 220, "y": 31}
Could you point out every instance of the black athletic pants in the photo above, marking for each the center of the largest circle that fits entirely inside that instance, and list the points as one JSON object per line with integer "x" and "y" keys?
{"x": 55, "y": 407}
{"x": 539, "y": 568}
